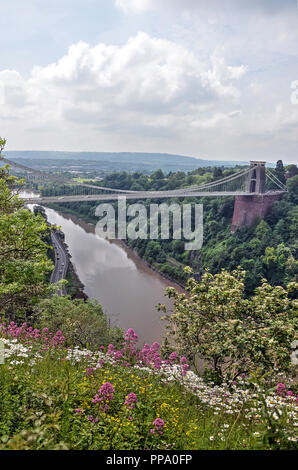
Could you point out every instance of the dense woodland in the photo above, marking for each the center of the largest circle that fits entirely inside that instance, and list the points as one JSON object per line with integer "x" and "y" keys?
{"x": 268, "y": 250}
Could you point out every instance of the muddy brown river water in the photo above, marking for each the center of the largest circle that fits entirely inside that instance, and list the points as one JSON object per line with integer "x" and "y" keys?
{"x": 126, "y": 287}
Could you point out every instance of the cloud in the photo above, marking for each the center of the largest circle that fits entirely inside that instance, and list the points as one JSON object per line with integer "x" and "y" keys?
{"x": 133, "y": 6}
{"x": 149, "y": 94}
{"x": 128, "y": 85}
{"x": 265, "y": 6}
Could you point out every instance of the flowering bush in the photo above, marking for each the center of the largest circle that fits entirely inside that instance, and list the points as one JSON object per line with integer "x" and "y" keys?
{"x": 30, "y": 336}
{"x": 234, "y": 334}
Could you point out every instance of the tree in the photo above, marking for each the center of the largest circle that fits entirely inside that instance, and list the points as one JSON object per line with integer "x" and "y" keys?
{"x": 263, "y": 233}
{"x": 217, "y": 173}
{"x": 2, "y": 145}
{"x": 275, "y": 260}
{"x": 232, "y": 334}
{"x": 292, "y": 170}
{"x": 280, "y": 171}
{"x": 23, "y": 256}
{"x": 292, "y": 185}
{"x": 158, "y": 174}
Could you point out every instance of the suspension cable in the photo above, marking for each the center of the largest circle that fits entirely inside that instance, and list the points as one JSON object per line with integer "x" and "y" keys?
{"x": 277, "y": 181}
{"x": 227, "y": 179}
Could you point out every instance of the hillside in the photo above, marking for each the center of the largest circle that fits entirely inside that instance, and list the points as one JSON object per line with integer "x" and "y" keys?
{"x": 122, "y": 161}
{"x": 53, "y": 398}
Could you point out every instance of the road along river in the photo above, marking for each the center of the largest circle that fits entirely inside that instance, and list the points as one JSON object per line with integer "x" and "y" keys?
{"x": 125, "y": 286}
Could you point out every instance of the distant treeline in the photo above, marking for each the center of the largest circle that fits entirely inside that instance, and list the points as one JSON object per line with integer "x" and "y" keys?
{"x": 107, "y": 162}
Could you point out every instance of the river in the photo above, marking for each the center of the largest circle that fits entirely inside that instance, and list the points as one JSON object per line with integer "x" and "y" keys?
{"x": 125, "y": 286}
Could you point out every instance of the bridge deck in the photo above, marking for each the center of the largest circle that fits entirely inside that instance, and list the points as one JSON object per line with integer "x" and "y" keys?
{"x": 139, "y": 195}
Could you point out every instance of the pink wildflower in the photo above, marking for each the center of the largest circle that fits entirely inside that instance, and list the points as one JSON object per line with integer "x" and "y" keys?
{"x": 131, "y": 400}
{"x": 89, "y": 371}
{"x": 104, "y": 395}
{"x": 159, "y": 425}
{"x": 281, "y": 389}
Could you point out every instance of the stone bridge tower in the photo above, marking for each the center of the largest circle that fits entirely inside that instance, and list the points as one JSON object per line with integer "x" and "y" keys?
{"x": 257, "y": 204}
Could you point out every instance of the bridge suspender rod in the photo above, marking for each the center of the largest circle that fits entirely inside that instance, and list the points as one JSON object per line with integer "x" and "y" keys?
{"x": 272, "y": 177}
{"x": 224, "y": 180}
{"x": 227, "y": 179}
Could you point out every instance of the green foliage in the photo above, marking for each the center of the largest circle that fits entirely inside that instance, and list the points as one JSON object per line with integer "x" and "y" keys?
{"x": 273, "y": 435}
{"x": 292, "y": 184}
{"x": 247, "y": 246}
{"x": 2, "y": 144}
{"x": 233, "y": 334}
{"x": 24, "y": 276}
{"x": 280, "y": 171}
{"x": 292, "y": 170}
{"x": 47, "y": 405}
{"x": 23, "y": 256}
{"x": 83, "y": 323}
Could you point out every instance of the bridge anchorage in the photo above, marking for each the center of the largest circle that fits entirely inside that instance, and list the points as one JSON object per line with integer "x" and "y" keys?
{"x": 252, "y": 199}
{"x": 258, "y": 202}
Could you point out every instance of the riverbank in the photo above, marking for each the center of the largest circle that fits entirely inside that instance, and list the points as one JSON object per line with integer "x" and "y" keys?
{"x": 175, "y": 282}
{"x": 75, "y": 287}
{"x": 64, "y": 268}
{"x": 89, "y": 226}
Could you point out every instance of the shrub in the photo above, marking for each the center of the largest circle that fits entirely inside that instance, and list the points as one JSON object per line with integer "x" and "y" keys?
{"x": 233, "y": 334}
{"x": 83, "y": 323}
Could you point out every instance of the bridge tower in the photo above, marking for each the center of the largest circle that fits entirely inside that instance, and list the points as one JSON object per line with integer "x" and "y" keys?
{"x": 257, "y": 204}
{"x": 256, "y": 180}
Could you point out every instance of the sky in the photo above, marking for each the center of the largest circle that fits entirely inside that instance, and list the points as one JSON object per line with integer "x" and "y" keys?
{"x": 214, "y": 79}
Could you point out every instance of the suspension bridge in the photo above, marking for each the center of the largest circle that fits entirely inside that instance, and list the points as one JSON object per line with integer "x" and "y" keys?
{"x": 249, "y": 186}
{"x": 248, "y": 182}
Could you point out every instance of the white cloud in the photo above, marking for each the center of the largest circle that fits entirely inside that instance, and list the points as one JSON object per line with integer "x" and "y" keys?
{"x": 126, "y": 86}
{"x": 133, "y": 6}
{"x": 266, "y": 6}
{"x": 148, "y": 94}
{"x": 220, "y": 73}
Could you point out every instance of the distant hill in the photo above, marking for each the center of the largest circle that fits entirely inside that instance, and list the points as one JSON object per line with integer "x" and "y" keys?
{"x": 110, "y": 161}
